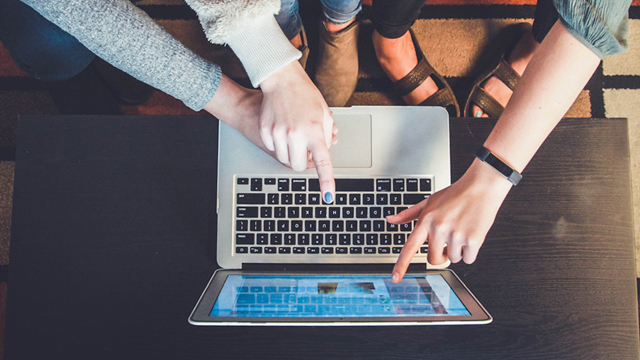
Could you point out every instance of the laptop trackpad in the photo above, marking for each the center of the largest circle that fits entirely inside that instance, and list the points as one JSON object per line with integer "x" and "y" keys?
{"x": 353, "y": 149}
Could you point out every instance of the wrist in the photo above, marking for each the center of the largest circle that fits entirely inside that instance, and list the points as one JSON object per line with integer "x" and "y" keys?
{"x": 226, "y": 101}
{"x": 282, "y": 78}
{"x": 486, "y": 178}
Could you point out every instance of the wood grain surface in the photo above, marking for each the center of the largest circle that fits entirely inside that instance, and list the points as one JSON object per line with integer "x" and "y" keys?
{"x": 112, "y": 231}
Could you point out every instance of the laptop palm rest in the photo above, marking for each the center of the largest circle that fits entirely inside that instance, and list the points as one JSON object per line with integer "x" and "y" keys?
{"x": 355, "y": 153}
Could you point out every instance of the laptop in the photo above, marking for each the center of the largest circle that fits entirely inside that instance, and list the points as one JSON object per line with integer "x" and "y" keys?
{"x": 289, "y": 258}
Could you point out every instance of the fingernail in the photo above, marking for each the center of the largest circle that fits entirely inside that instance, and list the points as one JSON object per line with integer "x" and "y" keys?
{"x": 478, "y": 113}
{"x": 395, "y": 277}
{"x": 328, "y": 198}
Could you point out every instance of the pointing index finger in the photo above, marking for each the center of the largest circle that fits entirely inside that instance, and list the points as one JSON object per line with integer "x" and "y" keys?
{"x": 324, "y": 167}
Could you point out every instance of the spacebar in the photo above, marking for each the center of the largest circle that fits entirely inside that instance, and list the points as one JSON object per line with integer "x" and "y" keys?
{"x": 345, "y": 185}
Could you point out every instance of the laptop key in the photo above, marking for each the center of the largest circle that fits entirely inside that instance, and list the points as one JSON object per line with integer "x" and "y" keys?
{"x": 314, "y": 199}
{"x": 255, "y": 225}
{"x": 397, "y": 250}
{"x": 273, "y": 199}
{"x": 310, "y": 225}
{"x": 256, "y": 184}
{"x": 270, "y": 250}
{"x": 298, "y": 250}
{"x": 286, "y": 199}
{"x": 385, "y": 239}
{"x": 395, "y": 199}
{"x": 266, "y": 212}
{"x": 289, "y": 239}
{"x": 361, "y": 212}
{"x": 300, "y": 199}
{"x": 398, "y": 184}
{"x": 284, "y": 250}
{"x": 392, "y": 227}
{"x": 341, "y": 199}
{"x": 368, "y": 199}
{"x": 270, "y": 181}
{"x": 369, "y": 250}
{"x": 412, "y": 184}
{"x": 313, "y": 250}
{"x": 276, "y": 239}
{"x": 242, "y": 225}
{"x": 321, "y": 212}
{"x": 424, "y": 249}
{"x": 269, "y": 225}
{"x": 283, "y": 225}
{"x": 344, "y": 239}
{"x": 354, "y": 199}
{"x": 352, "y": 225}
{"x": 279, "y": 212}
{"x": 378, "y": 225}
{"x": 398, "y": 239}
{"x": 358, "y": 239}
{"x": 372, "y": 239}
{"x": 405, "y": 227}
{"x": 425, "y": 184}
{"x": 384, "y": 250}
{"x": 383, "y": 185}
{"x": 250, "y": 199}
{"x": 298, "y": 184}
{"x": 324, "y": 225}
{"x": 297, "y": 225}
{"x": 245, "y": 239}
{"x": 303, "y": 239}
{"x": 283, "y": 184}
{"x": 293, "y": 212}
{"x": 341, "y": 250}
{"x": 242, "y": 249}
{"x": 412, "y": 199}
{"x": 365, "y": 225}
{"x": 345, "y": 185}
{"x": 262, "y": 239}
{"x": 337, "y": 225}
{"x": 247, "y": 211}
{"x": 306, "y": 212}
{"x": 327, "y": 250}
{"x": 355, "y": 250}
{"x": 316, "y": 239}
{"x": 242, "y": 181}
{"x": 331, "y": 239}
{"x": 255, "y": 250}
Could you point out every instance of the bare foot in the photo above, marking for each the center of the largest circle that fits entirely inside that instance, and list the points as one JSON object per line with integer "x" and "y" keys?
{"x": 518, "y": 59}
{"x": 397, "y": 57}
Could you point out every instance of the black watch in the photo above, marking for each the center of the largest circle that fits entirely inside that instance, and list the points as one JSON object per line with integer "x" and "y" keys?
{"x": 485, "y": 155}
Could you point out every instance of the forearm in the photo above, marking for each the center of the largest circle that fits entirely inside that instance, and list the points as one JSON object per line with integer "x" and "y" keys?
{"x": 129, "y": 39}
{"x": 557, "y": 73}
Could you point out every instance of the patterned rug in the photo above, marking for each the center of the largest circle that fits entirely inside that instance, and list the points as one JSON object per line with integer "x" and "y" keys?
{"x": 452, "y": 33}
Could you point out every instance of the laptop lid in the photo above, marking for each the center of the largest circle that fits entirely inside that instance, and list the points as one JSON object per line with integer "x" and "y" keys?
{"x": 374, "y": 142}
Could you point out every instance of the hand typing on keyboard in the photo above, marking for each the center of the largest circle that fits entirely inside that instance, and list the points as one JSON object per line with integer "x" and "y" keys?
{"x": 455, "y": 220}
{"x": 296, "y": 123}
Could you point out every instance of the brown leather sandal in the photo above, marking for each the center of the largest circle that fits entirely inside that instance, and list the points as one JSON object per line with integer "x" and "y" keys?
{"x": 501, "y": 69}
{"x": 443, "y": 97}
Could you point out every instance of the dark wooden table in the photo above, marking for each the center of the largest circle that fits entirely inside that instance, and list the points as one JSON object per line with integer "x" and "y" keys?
{"x": 113, "y": 226}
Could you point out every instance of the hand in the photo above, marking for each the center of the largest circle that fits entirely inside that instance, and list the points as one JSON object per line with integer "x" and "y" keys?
{"x": 454, "y": 220}
{"x": 295, "y": 123}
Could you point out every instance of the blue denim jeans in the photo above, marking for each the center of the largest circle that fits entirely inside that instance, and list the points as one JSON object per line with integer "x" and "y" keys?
{"x": 335, "y": 11}
{"x": 38, "y": 47}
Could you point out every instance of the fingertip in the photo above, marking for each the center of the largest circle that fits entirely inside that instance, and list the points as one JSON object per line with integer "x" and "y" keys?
{"x": 396, "y": 277}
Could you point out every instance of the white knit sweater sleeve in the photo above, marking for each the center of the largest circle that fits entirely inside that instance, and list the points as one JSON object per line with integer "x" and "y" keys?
{"x": 250, "y": 29}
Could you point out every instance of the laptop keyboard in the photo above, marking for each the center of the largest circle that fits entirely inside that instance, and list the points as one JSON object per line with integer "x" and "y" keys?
{"x": 279, "y": 215}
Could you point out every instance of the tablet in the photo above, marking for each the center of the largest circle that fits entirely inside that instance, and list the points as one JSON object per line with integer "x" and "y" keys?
{"x": 433, "y": 297}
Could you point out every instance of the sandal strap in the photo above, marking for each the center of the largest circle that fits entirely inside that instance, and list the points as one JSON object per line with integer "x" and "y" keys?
{"x": 506, "y": 74}
{"x": 486, "y": 102}
{"x": 414, "y": 78}
{"x": 442, "y": 97}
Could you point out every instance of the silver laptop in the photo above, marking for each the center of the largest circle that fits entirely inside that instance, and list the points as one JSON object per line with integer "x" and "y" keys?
{"x": 387, "y": 158}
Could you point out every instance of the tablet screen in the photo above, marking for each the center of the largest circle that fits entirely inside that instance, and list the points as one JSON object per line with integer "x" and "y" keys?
{"x": 336, "y": 296}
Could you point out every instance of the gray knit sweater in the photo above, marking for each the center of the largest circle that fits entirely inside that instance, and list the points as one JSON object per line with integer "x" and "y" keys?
{"x": 129, "y": 39}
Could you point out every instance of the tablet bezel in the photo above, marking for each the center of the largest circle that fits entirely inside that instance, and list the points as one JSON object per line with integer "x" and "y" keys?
{"x": 200, "y": 314}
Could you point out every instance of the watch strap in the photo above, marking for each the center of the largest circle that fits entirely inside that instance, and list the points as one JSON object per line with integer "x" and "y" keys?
{"x": 486, "y": 156}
